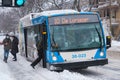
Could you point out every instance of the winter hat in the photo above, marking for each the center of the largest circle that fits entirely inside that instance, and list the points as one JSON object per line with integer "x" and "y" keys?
{"x": 11, "y": 34}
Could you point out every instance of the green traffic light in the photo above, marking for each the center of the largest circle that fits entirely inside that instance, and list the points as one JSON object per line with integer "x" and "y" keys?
{"x": 20, "y": 2}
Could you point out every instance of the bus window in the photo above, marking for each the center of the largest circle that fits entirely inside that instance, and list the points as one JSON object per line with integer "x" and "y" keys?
{"x": 77, "y": 36}
{"x": 33, "y": 35}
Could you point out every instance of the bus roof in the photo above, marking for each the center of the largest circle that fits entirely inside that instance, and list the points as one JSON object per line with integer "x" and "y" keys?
{"x": 56, "y": 12}
{"x": 26, "y": 20}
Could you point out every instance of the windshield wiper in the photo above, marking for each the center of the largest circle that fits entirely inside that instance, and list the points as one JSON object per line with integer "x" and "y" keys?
{"x": 54, "y": 45}
{"x": 99, "y": 37}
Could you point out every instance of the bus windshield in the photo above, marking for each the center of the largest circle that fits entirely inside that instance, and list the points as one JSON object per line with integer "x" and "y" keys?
{"x": 76, "y": 36}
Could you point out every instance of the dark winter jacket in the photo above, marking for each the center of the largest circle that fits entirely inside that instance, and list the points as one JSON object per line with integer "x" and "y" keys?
{"x": 39, "y": 45}
{"x": 14, "y": 47}
{"x": 7, "y": 43}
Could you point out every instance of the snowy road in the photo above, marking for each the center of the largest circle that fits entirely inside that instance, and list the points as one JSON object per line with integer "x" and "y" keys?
{"x": 111, "y": 71}
{"x": 21, "y": 70}
{"x": 107, "y": 72}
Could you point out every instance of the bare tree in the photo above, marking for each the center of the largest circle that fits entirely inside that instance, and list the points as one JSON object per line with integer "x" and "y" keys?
{"x": 8, "y": 21}
{"x": 76, "y": 5}
{"x": 92, "y": 4}
{"x": 31, "y": 6}
{"x": 59, "y": 4}
{"x": 28, "y": 7}
{"x": 40, "y": 5}
{"x": 56, "y": 3}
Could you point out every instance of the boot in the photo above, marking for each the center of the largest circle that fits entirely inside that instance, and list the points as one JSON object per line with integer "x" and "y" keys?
{"x": 32, "y": 66}
{"x": 14, "y": 59}
{"x": 5, "y": 59}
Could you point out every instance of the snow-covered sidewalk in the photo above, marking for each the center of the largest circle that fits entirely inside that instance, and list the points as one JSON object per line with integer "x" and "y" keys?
{"x": 21, "y": 70}
{"x": 5, "y": 73}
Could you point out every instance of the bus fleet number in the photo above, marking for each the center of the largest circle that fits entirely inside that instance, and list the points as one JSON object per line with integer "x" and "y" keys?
{"x": 79, "y": 56}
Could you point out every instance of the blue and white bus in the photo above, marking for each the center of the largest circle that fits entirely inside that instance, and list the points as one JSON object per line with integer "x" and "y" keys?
{"x": 72, "y": 40}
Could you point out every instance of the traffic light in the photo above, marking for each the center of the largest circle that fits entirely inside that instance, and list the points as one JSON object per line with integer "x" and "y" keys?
{"x": 12, "y": 3}
{"x": 7, "y": 3}
{"x": 19, "y": 3}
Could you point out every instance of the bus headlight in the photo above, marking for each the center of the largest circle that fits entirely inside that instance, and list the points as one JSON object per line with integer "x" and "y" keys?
{"x": 54, "y": 58}
{"x": 101, "y": 54}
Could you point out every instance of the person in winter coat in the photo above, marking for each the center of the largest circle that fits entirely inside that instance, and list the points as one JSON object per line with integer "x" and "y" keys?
{"x": 7, "y": 46}
{"x": 14, "y": 46}
{"x": 39, "y": 45}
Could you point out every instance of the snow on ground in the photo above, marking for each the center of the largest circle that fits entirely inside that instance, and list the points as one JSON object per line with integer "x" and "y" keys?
{"x": 115, "y": 46}
{"x": 5, "y": 73}
{"x": 21, "y": 70}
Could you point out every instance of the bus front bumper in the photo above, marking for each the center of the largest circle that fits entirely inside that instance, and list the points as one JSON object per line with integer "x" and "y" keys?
{"x": 80, "y": 65}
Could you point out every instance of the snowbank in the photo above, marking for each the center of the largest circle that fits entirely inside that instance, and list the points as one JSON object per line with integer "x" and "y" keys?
{"x": 115, "y": 46}
{"x": 5, "y": 73}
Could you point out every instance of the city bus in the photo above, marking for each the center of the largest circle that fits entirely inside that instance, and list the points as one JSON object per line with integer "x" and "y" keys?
{"x": 71, "y": 39}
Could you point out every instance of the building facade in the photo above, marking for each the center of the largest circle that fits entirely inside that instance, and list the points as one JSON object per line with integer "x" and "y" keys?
{"x": 110, "y": 11}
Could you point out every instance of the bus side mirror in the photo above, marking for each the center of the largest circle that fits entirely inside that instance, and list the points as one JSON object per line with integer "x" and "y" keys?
{"x": 108, "y": 41}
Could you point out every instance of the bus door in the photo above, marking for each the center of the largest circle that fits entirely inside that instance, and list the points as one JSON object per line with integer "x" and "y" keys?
{"x": 43, "y": 34}
{"x": 33, "y": 34}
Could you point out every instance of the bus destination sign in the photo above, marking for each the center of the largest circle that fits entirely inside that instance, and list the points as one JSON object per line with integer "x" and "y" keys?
{"x": 71, "y": 19}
